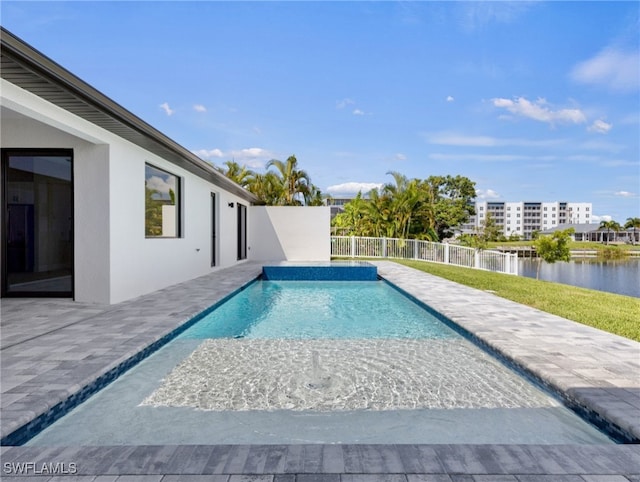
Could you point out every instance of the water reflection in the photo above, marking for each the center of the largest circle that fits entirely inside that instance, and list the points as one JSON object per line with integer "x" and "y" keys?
{"x": 621, "y": 276}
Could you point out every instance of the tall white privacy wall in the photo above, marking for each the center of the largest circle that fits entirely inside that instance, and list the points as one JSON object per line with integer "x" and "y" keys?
{"x": 362, "y": 247}
{"x": 292, "y": 233}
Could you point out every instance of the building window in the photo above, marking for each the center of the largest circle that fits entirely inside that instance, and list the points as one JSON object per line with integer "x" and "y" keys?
{"x": 545, "y": 215}
{"x": 586, "y": 215}
{"x": 545, "y": 208}
{"x": 553, "y": 209}
{"x": 481, "y": 208}
{"x": 587, "y": 209}
{"x": 518, "y": 208}
{"x": 161, "y": 203}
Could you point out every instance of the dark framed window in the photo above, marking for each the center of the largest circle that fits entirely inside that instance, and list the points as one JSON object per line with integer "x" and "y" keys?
{"x": 161, "y": 203}
{"x": 242, "y": 232}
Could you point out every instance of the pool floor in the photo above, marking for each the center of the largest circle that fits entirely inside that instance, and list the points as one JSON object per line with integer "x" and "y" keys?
{"x": 230, "y": 391}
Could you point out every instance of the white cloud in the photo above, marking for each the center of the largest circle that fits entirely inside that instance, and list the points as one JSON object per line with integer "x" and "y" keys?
{"x": 597, "y": 219}
{"x": 600, "y": 126}
{"x": 165, "y": 107}
{"x": 341, "y": 104}
{"x": 353, "y": 187}
{"x": 479, "y": 157}
{"x": 199, "y": 108}
{"x": 251, "y": 153}
{"x": 478, "y": 15}
{"x": 455, "y": 139}
{"x": 156, "y": 183}
{"x": 358, "y": 112}
{"x": 624, "y": 194}
{"x": 611, "y": 68}
{"x": 209, "y": 153}
{"x": 400, "y": 157}
{"x": 539, "y": 111}
{"x": 450, "y": 98}
{"x": 487, "y": 194}
{"x": 253, "y": 157}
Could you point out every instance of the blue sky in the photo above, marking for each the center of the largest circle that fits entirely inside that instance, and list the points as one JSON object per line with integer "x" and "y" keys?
{"x": 534, "y": 101}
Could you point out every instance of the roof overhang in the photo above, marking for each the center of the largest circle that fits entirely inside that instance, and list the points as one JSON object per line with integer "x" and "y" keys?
{"x": 32, "y": 71}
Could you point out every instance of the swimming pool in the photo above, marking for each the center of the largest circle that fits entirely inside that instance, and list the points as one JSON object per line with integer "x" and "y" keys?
{"x": 296, "y": 362}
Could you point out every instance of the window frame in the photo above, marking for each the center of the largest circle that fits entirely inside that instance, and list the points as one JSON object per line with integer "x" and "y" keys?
{"x": 178, "y": 203}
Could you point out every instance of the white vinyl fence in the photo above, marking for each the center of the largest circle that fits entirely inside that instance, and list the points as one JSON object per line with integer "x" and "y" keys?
{"x": 361, "y": 247}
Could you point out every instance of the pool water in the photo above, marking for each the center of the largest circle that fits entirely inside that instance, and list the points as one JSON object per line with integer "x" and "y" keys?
{"x": 319, "y": 309}
{"x": 320, "y": 362}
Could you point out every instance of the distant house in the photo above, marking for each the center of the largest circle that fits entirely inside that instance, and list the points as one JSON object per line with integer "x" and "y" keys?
{"x": 593, "y": 232}
{"x": 100, "y": 206}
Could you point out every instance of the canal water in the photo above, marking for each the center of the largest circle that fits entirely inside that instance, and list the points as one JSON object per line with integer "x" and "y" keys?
{"x": 621, "y": 276}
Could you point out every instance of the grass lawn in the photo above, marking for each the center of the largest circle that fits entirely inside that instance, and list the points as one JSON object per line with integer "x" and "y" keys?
{"x": 607, "y": 311}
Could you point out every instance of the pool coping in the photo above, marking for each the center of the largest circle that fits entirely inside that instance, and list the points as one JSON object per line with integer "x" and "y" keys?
{"x": 32, "y": 367}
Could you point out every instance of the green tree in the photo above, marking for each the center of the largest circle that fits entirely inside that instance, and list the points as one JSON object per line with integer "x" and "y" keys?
{"x": 268, "y": 188}
{"x": 552, "y": 248}
{"x": 452, "y": 202}
{"x": 152, "y": 212}
{"x": 295, "y": 182}
{"x": 635, "y": 224}
{"x": 352, "y": 221}
{"x": 237, "y": 173}
{"x": 609, "y": 226}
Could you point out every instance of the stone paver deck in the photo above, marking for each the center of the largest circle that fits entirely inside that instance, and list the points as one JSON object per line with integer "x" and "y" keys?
{"x": 51, "y": 349}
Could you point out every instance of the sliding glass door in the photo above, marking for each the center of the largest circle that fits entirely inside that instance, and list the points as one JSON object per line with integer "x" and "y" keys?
{"x": 37, "y": 230}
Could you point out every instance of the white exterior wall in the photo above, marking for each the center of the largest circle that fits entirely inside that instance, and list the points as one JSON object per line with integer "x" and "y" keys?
{"x": 580, "y": 213}
{"x": 113, "y": 261}
{"x": 290, "y": 233}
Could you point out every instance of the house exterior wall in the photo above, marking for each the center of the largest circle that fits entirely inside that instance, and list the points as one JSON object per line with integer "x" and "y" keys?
{"x": 113, "y": 261}
{"x": 290, "y": 233}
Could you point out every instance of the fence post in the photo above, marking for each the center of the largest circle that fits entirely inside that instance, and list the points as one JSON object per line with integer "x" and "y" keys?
{"x": 353, "y": 247}
{"x": 384, "y": 247}
{"x": 415, "y": 249}
{"x": 514, "y": 263}
{"x": 476, "y": 259}
{"x": 446, "y": 253}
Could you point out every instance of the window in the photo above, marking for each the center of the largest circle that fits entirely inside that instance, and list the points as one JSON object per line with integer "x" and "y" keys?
{"x": 242, "y": 232}
{"x": 481, "y": 208}
{"x": 161, "y": 203}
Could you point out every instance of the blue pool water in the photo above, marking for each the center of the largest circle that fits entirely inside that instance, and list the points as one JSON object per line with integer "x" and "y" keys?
{"x": 319, "y": 362}
{"x": 319, "y": 309}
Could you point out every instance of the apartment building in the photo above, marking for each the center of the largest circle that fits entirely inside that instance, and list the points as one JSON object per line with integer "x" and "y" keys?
{"x": 524, "y": 218}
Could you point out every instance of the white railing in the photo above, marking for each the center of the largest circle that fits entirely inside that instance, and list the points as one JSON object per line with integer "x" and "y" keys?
{"x": 362, "y": 247}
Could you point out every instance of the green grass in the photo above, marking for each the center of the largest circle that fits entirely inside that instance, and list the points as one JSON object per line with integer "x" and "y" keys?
{"x": 606, "y": 311}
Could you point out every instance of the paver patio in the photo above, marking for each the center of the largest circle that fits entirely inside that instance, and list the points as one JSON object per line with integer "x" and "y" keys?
{"x": 52, "y": 349}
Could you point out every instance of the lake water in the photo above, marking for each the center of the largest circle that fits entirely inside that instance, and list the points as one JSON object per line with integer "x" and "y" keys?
{"x": 615, "y": 276}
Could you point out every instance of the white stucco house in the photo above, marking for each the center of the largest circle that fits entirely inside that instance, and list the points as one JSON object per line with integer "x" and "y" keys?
{"x": 99, "y": 206}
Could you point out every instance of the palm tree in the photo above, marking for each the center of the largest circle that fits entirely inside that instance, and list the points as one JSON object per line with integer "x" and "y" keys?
{"x": 635, "y": 224}
{"x": 238, "y": 174}
{"x": 295, "y": 182}
{"x": 268, "y": 187}
{"x": 609, "y": 226}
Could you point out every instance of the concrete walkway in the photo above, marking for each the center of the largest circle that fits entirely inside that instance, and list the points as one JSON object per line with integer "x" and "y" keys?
{"x": 53, "y": 349}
